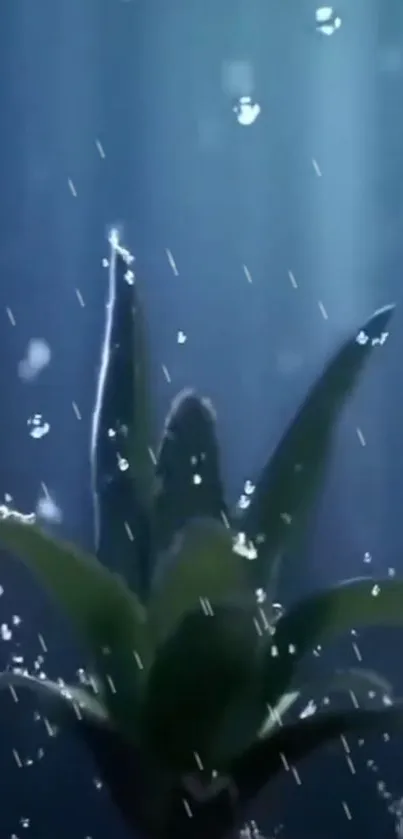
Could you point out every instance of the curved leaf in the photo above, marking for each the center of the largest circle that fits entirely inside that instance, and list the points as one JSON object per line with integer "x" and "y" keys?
{"x": 188, "y": 468}
{"x": 322, "y": 617}
{"x": 357, "y": 683}
{"x": 251, "y": 772}
{"x": 139, "y": 788}
{"x": 103, "y": 611}
{"x": 121, "y": 469}
{"x": 289, "y": 483}
{"x": 66, "y": 698}
{"x": 263, "y": 761}
{"x": 197, "y": 675}
{"x": 201, "y": 568}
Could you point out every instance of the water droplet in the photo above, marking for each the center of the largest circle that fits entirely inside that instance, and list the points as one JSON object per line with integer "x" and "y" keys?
{"x": 37, "y": 357}
{"x": 47, "y": 509}
{"x": 327, "y": 21}
{"x": 246, "y": 110}
{"x": 123, "y": 464}
{"x": 38, "y": 427}
{"x": 5, "y": 632}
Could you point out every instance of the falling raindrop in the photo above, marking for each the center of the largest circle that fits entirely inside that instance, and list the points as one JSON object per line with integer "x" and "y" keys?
{"x": 5, "y": 632}
{"x": 246, "y": 110}
{"x": 243, "y": 502}
{"x": 38, "y": 427}
{"x": 37, "y": 357}
{"x": 327, "y": 22}
{"x": 123, "y": 464}
{"x": 48, "y": 510}
{"x": 249, "y": 488}
{"x": 362, "y": 338}
{"x": 129, "y": 277}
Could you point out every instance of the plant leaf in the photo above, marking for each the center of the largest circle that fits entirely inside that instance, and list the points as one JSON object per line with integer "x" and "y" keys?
{"x": 139, "y": 788}
{"x": 250, "y": 773}
{"x": 263, "y": 761}
{"x": 188, "y": 468}
{"x": 121, "y": 467}
{"x": 322, "y": 617}
{"x": 356, "y": 682}
{"x": 289, "y": 483}
{"x": 100, "y": 606}
{"x": 201, "y": 566}
{"x": 197, "y": 675}
{"x": 64, "y": 697}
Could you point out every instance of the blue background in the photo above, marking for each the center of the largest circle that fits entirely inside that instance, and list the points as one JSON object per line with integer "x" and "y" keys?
{"x": 147, "y": 79}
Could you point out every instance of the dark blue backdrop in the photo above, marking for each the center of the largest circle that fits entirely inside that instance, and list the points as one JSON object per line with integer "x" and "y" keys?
{"x": 125, "y": 103}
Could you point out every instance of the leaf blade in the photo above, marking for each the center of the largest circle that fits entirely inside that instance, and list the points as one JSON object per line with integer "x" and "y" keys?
{"x": 198, "y": 673}
{"x": 122, "y": 473}
{"x": 100, "y": 606}
{"x": 354, "y": 681}
{"x": 188, "y": 468}
{"x": 289, "y": 483}
{"x": 201, "y": 566}
{"x": 325, "y": 615}
{"x": 264, "y": 760}
{"x": 63, "y": 696}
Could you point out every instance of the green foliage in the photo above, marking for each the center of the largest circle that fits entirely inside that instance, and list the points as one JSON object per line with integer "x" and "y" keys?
{"x": 62, "y": 700}
{"x": 107, "y": 616}
{"x": 188, "y": 468}
{"x": 198, "y": 673}
{"x": 256, "y": 767}
{"x": 361, "y": 685}
{"x": 321, "y": 617}
{"x": 291, "y": 481}
{"x": 202, "y": 568}
{"x": 190, "y": 676}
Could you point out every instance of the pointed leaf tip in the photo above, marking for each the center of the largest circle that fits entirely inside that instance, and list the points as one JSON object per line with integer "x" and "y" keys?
{"x": 379, "y": 320}
{"x": 188, "y": 467}
{"x": 63, "y": 698}
{"x": 292, "y": 478}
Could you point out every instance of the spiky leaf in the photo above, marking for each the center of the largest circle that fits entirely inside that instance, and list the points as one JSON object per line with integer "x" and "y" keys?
{"x": 357, "y": 684}
{"x": 226, "y": 813}
{"x": 325, "y": 615}
{"x": 121, "y": 468}
{"x": 101, "y": 608}
{"x": 188, "y": 468}
{"x": 263, "y": 761}
{"x": 289, "y": 484}
{"x": 62, "y": 698}
{"x": 201, "y": 569}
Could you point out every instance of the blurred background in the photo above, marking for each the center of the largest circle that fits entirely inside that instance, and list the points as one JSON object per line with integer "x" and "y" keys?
{"x": 250, "y": 152}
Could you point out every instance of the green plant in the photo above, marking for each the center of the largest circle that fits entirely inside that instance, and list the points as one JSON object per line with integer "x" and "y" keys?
{"x": 194, "y": 678}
